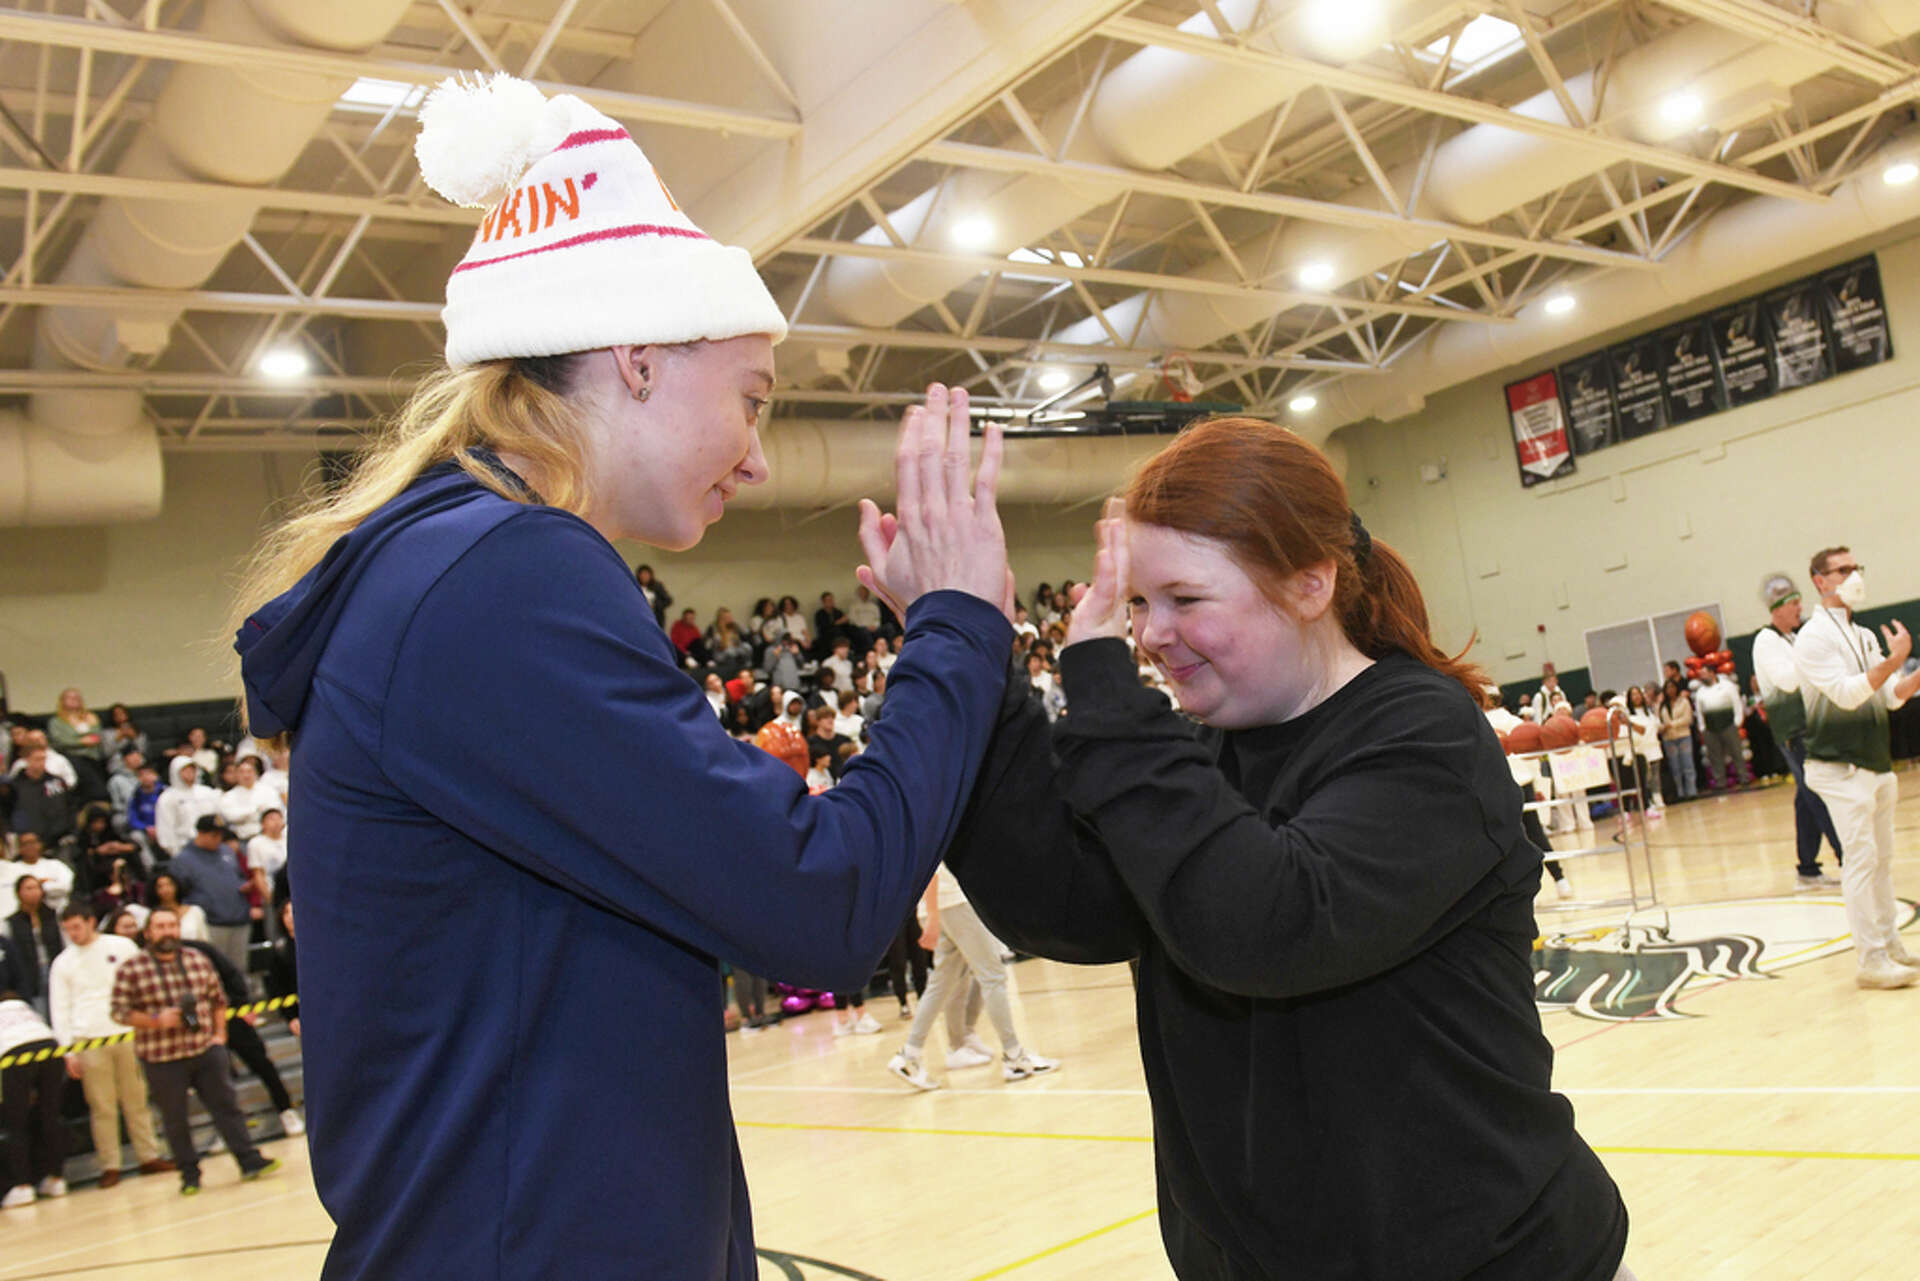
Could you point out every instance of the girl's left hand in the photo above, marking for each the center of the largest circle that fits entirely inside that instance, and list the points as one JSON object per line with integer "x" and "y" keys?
{"x": 1100, "y": 607}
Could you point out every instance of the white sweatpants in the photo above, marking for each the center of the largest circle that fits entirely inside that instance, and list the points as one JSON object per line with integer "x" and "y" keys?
{"x": 1861, "y": 802}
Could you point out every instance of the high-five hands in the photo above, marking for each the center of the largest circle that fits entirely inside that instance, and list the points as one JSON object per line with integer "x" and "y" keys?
{"x": 1100, "y": 607}
{"x": 945, "y": 530}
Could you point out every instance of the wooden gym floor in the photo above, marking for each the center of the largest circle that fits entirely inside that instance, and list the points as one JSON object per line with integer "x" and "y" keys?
{"x": 1760, "y": 1127}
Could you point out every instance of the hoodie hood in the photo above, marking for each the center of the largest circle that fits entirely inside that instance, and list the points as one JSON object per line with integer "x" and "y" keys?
{"x": 175, "y": 766}
{"x": 281, "y": 643}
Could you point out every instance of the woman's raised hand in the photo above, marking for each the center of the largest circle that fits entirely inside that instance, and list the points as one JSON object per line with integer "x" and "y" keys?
{"x": 1100, "y": 606}
{"x": 945, "y": 530}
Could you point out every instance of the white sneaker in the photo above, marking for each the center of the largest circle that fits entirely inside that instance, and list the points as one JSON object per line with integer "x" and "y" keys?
{"x": 1818, "y": 881}
{"x": 906, "y": 1015}
{"x": 53, "y": 1186}
{"x": 1563, "y": 887}
{"x": 969, "y": 1054}
{"x": 218, "y": 1145}
{"x": 748, "y": 1029}
{"x": 292, "y": 1122}
{"x": 865, "y": 1025}
{"x": 908, "y": 1067}
{"x": 841, "y": 1029}
{"x": 17, "y": 1197}
{"x": 1898, "y": 952}
{"x": 1027, "y": 1065}
{"x": 1883, "y": 972}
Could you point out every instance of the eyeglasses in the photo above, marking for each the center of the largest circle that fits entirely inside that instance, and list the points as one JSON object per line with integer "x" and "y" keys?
{"x": 1841, "y": 571}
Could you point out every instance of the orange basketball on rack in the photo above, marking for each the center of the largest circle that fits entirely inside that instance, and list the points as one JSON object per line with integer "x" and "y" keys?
{"x": 1703, "y": 634}
{"x": 1559, "y": 731}
{"x": 1594, "y": 726}
{"x": 1523, "y": 739}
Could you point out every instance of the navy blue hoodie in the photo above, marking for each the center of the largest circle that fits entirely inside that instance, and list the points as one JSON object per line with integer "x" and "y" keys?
{"x": 511, "y": 1001}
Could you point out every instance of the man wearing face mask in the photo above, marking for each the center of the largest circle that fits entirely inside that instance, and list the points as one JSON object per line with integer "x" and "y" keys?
{"x": 1849, "y": 686}
{"x": 1787, "y": 718}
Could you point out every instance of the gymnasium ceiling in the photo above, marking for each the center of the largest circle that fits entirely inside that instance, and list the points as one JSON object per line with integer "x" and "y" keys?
{"x": 807, "y": 130}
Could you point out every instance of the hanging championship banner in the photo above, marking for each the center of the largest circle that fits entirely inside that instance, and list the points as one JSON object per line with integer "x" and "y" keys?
{"x": 1539, "y": 429}
{"x": 1688, "y": 371}
{"x": 1740, "y": 340}
{"x": 1587, "y": 390}
{"x": 1856, "y": 314}
{"x": 1800, "y": 354}
{"x": 1639, "y": 393}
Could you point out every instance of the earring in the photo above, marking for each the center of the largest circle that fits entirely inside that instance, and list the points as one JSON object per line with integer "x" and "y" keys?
{"x": 643, "y": 393}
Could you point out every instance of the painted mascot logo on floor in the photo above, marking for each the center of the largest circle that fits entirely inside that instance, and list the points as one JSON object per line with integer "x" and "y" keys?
{"x": 1616, "y": 971}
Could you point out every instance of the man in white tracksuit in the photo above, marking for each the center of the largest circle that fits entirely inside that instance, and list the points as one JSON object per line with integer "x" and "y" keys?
{"x": 1849, "y": 686}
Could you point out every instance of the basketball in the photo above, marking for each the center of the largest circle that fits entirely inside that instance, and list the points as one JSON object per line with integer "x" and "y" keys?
{"x": 1595, "y": 726}
{"x": 1524, "y": 738}
{"x": 1703, "y": 634}
{"x": 1559, "y": 731}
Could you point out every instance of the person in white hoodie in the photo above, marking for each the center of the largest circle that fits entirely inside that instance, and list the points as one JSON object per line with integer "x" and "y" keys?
{"x": 182, "y": 804}
{"x": 82, "y": 1006}
{"x": 242, "y": 804}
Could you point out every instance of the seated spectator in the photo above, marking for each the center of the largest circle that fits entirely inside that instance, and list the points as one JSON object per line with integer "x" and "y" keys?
{"x": 783, "y": 736}
{"x": 685, "y": 634}
{"x": 30, "y": 1095}
{"x": 33, "y": 941}
{"x": 185, "y": 802}
{"x": 123, "y": 783}
{"x": 142, "y": 814}
{"x": 827, "y": 690}
{"x": 210, "y": 877}
{"x": 848, "y": 722}
{"x": 829, "y": 624}
{"x": 767, "y": 621}
{"x": 839, "y": 661}
{"x": 242, "y": 804}
{"x": 795, "y": 623}
{"x": 30, "y": 859}
{"x": 871, "y": 704}
{"x": 165, "y": 892}
{"x": 123, "y": 736}
{"x": 42, "y": 803}
{"x": 731, "y": 654}
{"x": 784, "y": 663}
{"x": 886, "y": 655}
{"x": 101, "y": 846}
{"x": 266, "y": 856}
{"x": 658, "y": 597}
{"x": 197, "y": 750}
{"x": 1023, "y": 624}
{"x": 120, "y": 890}
{"x": 820, "y": 773}
{"x": 57, "y": 765}
{"x": 279, "y": 776}
{"x": 81, "y": 980}
{"x": 863, "y": 619}
{"x": 75, "y": 733}
{"x": 716, "y": 692}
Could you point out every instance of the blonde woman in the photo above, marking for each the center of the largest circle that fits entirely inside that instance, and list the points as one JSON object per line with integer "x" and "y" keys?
{"x": 609, "y": 366}
{"x": 75, "y": 733}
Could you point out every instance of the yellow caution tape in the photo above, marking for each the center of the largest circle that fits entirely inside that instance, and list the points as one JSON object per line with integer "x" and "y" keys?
{"x": 95, "y": 1042}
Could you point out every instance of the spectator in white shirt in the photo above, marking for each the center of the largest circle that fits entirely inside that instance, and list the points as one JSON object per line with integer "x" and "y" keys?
{"x": 1718, "y": 713}
{"x": 242, "y": 804}
{"x": 267, "y": 852}
{"x": 57, "y": 765}
{"x": 840, "y": 663}
{"x": 182, "y": 804}
{"x": 110, "y": 1076}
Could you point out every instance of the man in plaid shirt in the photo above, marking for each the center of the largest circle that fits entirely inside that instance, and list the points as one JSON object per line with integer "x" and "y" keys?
{"x": 150, "y": 995}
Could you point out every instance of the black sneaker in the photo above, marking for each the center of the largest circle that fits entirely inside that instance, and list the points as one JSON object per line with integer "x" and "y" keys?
{"x": 271, "y": 1166}
{"x": 190, "y": 1189}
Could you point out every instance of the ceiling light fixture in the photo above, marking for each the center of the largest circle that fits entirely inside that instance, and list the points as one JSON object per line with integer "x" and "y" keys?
{"x": 1560, "y": 304}
{"x": 1900, "y": 173}
{"x": 283, "y": 364}
{"x": 1332, "y": 21}
{"x": 1678, "y": 110}
{"x": 1315, "y": 275}
{"x": 974, "y": 231}
{"x": 1054, "y": 378}
{"x": 1484, "y": 35}
{"x": 1305, "y": 403}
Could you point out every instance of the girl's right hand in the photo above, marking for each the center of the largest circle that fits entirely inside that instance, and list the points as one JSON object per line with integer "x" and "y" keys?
{"x": 944, "y": 533}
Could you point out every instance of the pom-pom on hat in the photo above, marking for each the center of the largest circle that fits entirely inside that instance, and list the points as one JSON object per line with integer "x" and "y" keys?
{"x": 583, "y": 245}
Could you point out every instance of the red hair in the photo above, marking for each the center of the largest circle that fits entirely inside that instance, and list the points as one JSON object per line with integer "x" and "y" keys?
{"x": 1277, "y": 506}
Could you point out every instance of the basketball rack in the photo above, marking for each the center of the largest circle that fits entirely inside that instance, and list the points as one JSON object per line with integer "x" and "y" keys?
{"x": 1625, "y": 841}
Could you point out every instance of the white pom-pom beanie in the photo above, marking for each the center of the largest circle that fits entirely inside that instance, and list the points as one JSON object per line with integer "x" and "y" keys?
{"x": 582, "y": 245}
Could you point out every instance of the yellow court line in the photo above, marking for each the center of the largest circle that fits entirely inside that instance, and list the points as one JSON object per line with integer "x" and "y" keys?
{"x": 1064, "y": 1245}
{"x": 1769, "y": 1153}
{"x": 969, "y": 1134}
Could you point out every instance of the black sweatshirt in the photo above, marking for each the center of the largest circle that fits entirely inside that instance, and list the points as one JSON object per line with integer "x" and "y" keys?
{"x": 1333, "y": 919}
